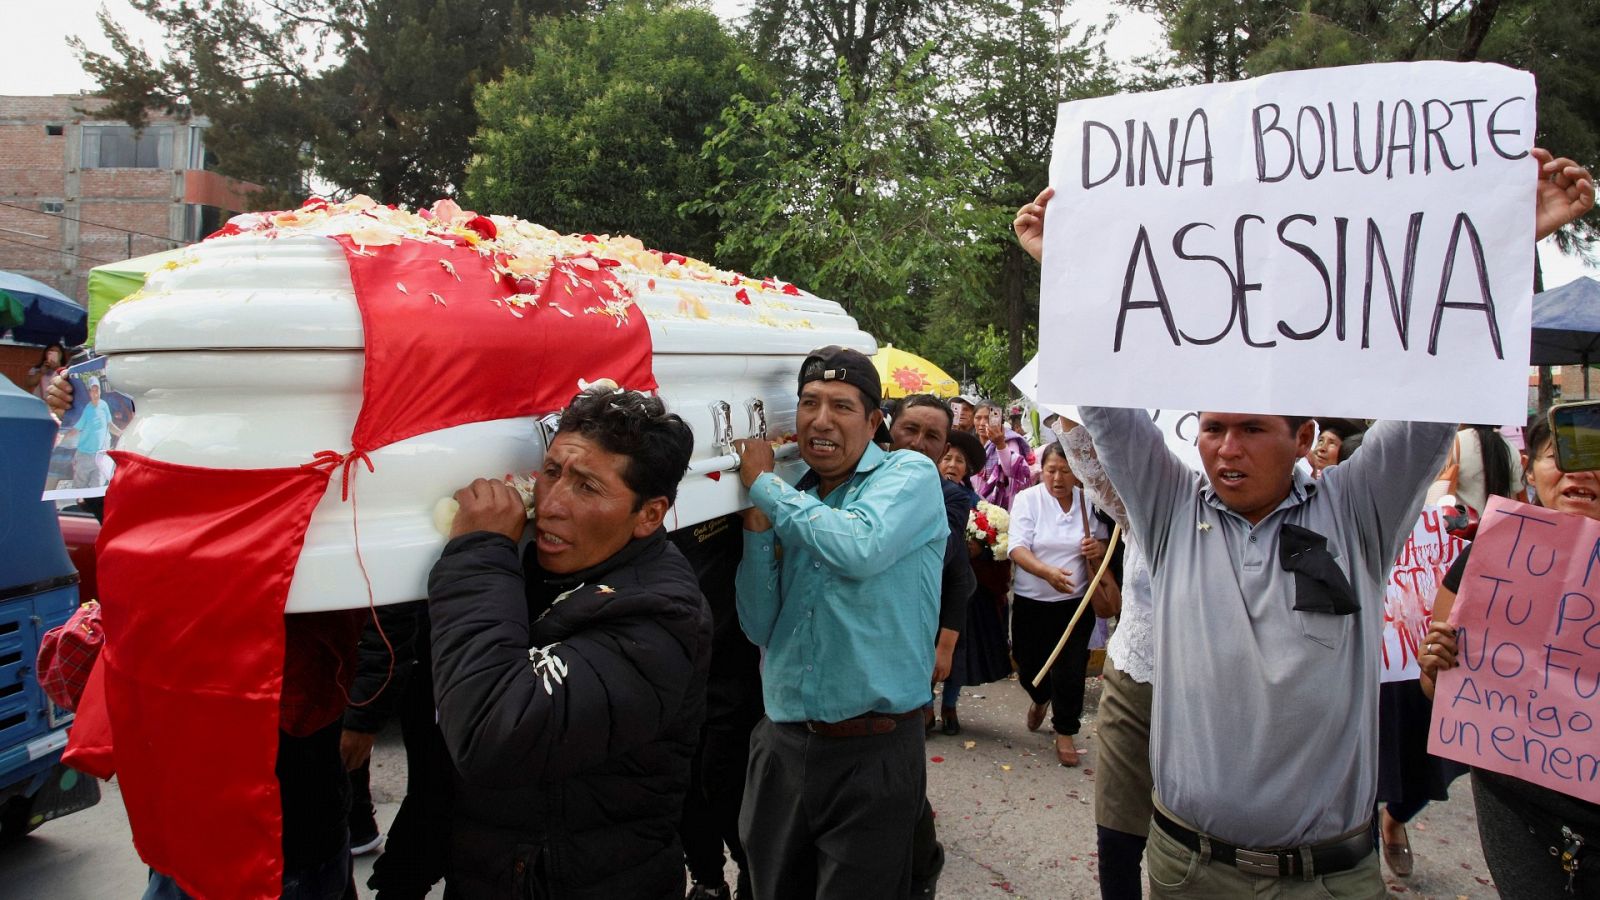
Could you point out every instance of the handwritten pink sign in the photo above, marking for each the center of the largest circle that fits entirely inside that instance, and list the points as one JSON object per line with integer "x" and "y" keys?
{"x": 1524, "y": 699}
{"x": 1428, "y": 554}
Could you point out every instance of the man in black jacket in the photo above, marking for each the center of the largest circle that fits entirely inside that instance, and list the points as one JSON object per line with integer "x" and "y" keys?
{"x": 571, "y": 682}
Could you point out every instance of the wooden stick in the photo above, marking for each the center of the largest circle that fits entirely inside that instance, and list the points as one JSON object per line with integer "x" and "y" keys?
{"x": 1105, "y": 564}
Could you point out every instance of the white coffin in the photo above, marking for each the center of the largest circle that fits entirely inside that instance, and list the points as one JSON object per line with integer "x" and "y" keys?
{"x": 249, "y": 356}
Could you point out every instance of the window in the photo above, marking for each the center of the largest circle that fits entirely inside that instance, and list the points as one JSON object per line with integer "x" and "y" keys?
{"x": 120, "y": 147}
{"x": 52, "y": 206}
{"x": 201, "y": 220}
{"x": 200, "y": 156}
{"x": 54, "y": 130}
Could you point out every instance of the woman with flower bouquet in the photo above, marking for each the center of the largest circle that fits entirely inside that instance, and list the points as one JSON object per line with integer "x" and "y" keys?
{"x": 1054, "y": 542}
{"x": 982, "y": 654}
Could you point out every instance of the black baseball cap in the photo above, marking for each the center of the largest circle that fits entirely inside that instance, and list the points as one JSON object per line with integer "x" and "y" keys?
{"x": 835, "y": 363}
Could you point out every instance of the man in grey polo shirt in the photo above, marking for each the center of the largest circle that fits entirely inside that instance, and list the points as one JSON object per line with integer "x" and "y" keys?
{"x": 1268, "y": 622}
{"x": 1268, "y": 619}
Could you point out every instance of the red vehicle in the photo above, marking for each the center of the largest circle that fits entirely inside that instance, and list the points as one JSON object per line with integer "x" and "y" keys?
{"x": 80, "y": 530}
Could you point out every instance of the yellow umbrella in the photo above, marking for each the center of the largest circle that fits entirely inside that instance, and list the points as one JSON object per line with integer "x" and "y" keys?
{"x": 905, "y": 373}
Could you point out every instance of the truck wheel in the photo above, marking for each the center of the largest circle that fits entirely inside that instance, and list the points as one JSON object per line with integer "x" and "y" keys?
{"x": 14, "y": 819}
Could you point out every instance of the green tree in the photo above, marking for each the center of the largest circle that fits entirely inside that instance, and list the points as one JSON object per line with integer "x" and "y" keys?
{"x": 813, "y": 41}
{"x": 372, "y": 95}
{"x": 873, "y": 208}
{"x": 396, "y": 116}
{"x": 911, "y": 153}
{"x": 600, "y": 127}
{"x": 1212, "y": 39}
{"x": 1014, "y": 64}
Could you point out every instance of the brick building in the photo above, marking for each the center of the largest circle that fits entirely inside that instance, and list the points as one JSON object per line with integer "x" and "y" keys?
{"x": 76, "y": 192}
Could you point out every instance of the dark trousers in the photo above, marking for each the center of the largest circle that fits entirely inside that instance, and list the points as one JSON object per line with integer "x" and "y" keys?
{"x": 330, "y": 880}
{"x": 416, "y": 853}
{"x": 832, "y": 817}
{"x": 927, "y": 857}
{"x": 363, "y": 815}
{"x": 958, "y": 668}
{"x": 1521, "y": 863}
{"x": 711, "y": 808}
{"x": 1035, "y": 629}
{"x": 1120, "y": 856}
{"x": 1407, "y": 809}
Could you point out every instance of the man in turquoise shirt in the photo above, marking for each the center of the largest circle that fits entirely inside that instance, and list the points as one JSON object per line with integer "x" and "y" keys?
{"x": 846, "y": 615}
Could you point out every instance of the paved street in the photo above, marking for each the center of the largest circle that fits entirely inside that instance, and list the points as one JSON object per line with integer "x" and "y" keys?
{"x": 1013, "y": 822}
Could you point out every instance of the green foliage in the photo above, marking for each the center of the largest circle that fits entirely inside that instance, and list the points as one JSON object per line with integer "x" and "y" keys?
{"x": 1007, "y": 103}
{"x": 873, "y": 207}
{"x": 886, "y": 173}
{"x": 391, "y": 117}
{"x": 990, "y": 359}
{"x": 599, "y": 129}
{"x": 1556, "y": 43}
{"x": 1313, "y": 42}
{"x": 1213, "y": 38}
{"x": 396, "y": 116}
{"x": 865, "y": 40}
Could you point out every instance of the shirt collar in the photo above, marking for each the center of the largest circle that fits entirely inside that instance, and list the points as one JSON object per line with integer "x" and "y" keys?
{"x": 870, "y": 459}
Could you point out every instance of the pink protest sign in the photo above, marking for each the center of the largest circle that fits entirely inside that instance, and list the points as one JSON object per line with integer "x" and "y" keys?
{"x": 1428, "y": 554}
{"x": 1525, "y": 696}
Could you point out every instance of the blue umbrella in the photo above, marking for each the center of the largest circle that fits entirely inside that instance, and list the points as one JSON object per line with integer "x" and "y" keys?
{"x": 47, "y": 314}
{"x": 1566, "y": 326}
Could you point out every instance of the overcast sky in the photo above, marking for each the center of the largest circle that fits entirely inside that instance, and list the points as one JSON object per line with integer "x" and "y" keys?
{"x": 38, "y": 61}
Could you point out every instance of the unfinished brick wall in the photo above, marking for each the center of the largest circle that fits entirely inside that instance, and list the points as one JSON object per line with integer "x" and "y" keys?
{"x": 59, "y": 218}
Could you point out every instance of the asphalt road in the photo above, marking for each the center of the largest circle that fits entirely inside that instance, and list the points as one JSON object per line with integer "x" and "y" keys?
{"x": 1013, "y": 822}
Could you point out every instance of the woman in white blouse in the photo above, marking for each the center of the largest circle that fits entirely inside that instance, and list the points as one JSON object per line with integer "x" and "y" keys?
{"x": 1055, "y": 541}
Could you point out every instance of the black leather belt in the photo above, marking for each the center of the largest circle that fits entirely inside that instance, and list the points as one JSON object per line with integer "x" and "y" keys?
{"x": 1334, "y": 856}
{"x": 864, "y": 725}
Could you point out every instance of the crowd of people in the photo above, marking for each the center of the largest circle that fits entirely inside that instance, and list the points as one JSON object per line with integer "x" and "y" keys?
{"x": 590, "y": 704}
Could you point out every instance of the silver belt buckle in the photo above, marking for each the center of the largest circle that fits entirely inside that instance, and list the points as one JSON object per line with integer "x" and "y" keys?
{"x": 1254, "y": 862}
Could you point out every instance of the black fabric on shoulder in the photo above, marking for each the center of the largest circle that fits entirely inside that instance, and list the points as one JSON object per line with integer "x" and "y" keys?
{"x": 1452, "y": 578}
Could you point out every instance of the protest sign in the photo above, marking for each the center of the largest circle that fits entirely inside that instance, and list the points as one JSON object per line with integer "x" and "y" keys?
{"x": 1525, "y": 696}
{"x": 1342, "y": 242}
{"x": 80, "y": 461}
{"x": 1428, "y": 554}
{"x": 1180, "y": 428}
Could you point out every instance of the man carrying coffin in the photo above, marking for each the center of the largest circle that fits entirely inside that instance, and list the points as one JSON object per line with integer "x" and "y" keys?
{"x": 570, "y": 680}
{"x": 1268, "y": 597}
{"x": 847, "y": 616}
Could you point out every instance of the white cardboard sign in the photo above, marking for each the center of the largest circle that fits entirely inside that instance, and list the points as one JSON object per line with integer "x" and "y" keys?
{"x": 1341, "y": 242}
{"x": 1180, "y": 429}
